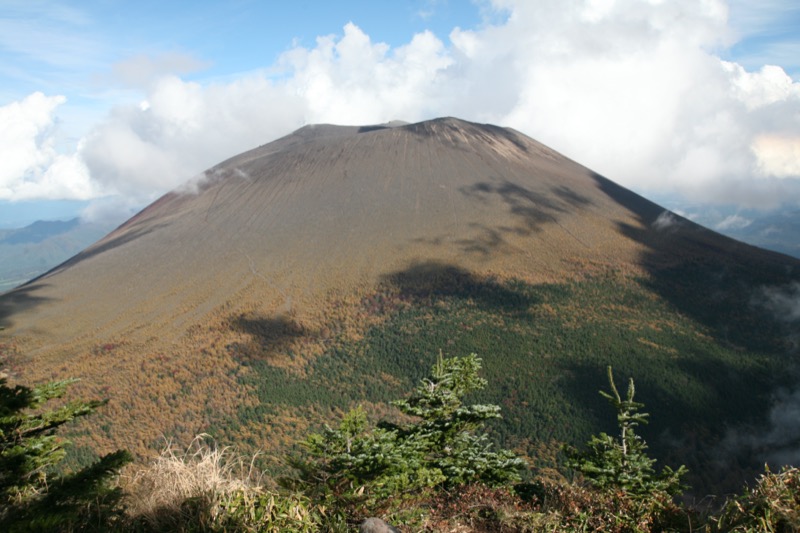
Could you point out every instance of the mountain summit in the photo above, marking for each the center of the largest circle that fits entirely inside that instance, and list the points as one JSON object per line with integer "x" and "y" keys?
{"x": 280, "y": 257}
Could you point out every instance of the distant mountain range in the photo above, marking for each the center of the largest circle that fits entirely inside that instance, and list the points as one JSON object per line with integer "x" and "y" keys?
{"x": 329, "y": 268}
{"x": 777, "y": 230}
{"x": 33, "y": 250}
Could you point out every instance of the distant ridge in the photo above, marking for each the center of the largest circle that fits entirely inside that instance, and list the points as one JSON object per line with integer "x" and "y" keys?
{"x": 29, "y": 251}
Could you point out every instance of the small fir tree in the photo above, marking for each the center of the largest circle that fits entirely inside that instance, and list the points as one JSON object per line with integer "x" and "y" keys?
{"x": 449, "y": 434}
{"x": 444, "y": 448}
{"x": 341, "y": 463}
{"x": 32, "y": 495}
{"x": 622, "y": 463}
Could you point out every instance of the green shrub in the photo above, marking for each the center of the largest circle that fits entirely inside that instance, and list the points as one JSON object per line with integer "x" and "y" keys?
{"x": 358, "y": 465}
{"x": 449, "y": 434}
{"x": 265, "y": 511}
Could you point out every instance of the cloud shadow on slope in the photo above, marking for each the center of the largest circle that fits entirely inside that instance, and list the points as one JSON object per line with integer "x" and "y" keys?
{"x": 268, "y": 335}
{"x": 487, "y": 241}
{"x": 432, "y": 280}
{"x": 686, "y": 425}
{"x": 19, "y": 300}
{"x": 533, "y": 210}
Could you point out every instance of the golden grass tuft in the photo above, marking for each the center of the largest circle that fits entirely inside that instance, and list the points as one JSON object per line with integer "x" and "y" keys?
{"x": 182, "y": 483}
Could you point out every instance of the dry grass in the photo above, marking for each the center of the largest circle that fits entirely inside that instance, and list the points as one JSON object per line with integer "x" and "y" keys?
{"x": 773, "y": 505}
{"x": 202, "y": 475}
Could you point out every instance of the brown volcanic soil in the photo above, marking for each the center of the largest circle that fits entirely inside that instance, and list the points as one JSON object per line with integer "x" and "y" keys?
{"x": 293, "y": 231}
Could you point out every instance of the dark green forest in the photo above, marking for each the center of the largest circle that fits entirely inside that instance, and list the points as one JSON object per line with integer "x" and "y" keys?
{"x": 707, "y": 366}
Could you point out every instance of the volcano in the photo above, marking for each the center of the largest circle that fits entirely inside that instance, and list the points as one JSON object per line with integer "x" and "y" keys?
{"x": 327, "y": 268}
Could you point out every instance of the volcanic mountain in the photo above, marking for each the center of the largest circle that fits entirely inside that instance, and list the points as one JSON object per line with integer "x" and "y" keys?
{"x": 329, "y": 267}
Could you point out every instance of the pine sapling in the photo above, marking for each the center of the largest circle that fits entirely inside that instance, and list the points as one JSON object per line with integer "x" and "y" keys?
{"x": 622, "y": 463}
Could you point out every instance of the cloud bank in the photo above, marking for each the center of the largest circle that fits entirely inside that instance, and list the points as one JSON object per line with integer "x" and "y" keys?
{"x": 30, "y": 166}
{"x": 633, "y": 89}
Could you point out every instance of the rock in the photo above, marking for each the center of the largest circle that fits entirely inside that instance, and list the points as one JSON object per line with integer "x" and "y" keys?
{"x": 376, "y": 525}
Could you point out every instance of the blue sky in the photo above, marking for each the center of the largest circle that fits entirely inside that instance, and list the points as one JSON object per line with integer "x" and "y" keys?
{"x": 106, "y": 104}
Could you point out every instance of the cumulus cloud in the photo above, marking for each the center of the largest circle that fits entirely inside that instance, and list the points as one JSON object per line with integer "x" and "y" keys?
{"x": 352, "y": 80}
{"x": 110, "y": 210}
{"x": 778, "y": 156}
{"x": 633, "y": 89}
{"x": 30, "y": 165}
{"x": 184, "y": 128}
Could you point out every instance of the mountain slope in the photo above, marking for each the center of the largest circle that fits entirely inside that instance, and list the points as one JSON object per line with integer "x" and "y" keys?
{"x": 328, "y": 267}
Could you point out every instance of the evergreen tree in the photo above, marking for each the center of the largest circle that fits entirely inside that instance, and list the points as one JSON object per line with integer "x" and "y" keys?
{"x": 621, "y": 463}
{"x": 444, "y": 448}
{"x": 32, "y": 495}
{"x": 448, "y": 434}
{"x": 342, "y": 462}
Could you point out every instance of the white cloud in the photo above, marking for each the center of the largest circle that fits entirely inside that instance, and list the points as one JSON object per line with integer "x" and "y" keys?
{"x": 733, "y": 222}
{"x": 666, "y": 221}
{"x": 183, "y": 128}
{"x": 778, "y": 156}
{"x": 355, "y": 81}
{"x": 771, "y": 85}
{"x": 633, "y": 89}
{"x": 30, "y": 166}
{"x": 110, "y": 210}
